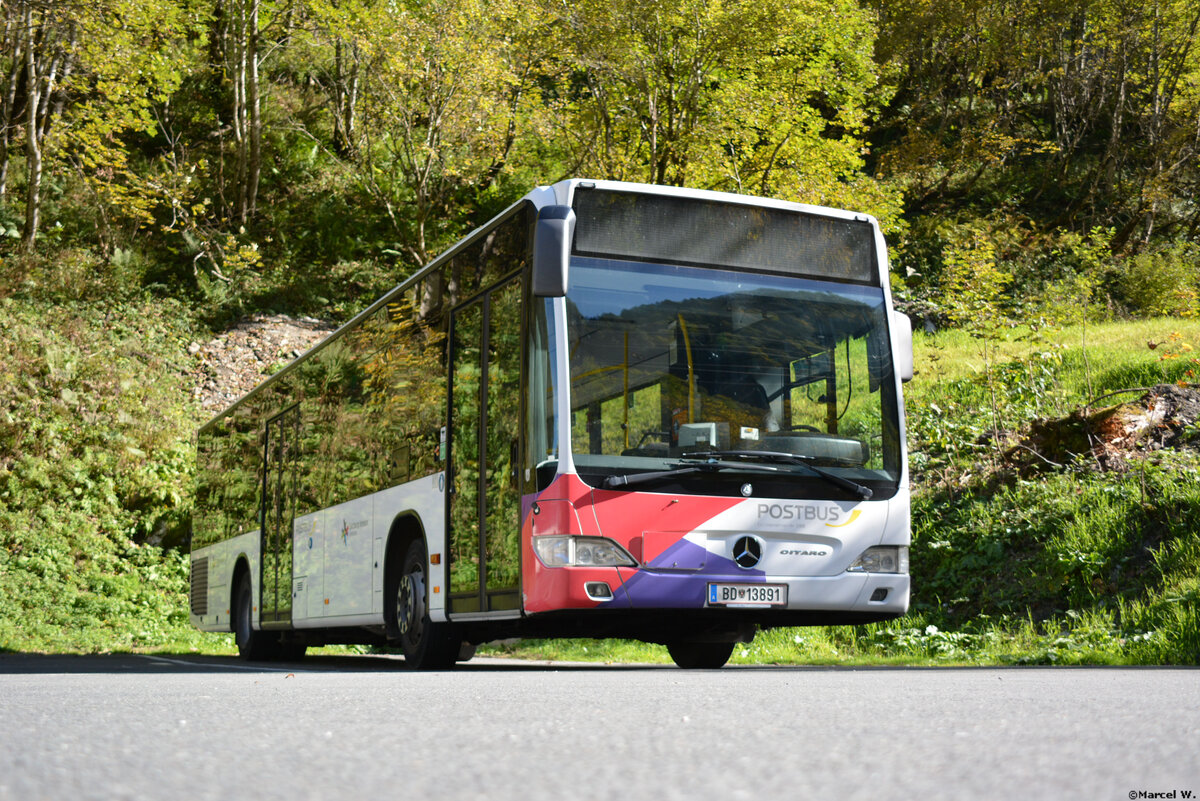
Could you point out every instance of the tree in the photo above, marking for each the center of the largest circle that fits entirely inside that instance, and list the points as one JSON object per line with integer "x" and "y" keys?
{"x": 12, "y": 63}
{"x": 446, "y": 87}
{"x": 237, "y": 37}
{"x": 768, "y": 97}
{"x": 81, "y": 76}
{"x": 332, "y": 37}
{"x": 1059, "y": 114}
{"x": 45, "y": 37}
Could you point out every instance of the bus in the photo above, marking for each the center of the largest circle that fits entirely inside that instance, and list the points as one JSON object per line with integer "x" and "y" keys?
{"x": 615, "y": 410}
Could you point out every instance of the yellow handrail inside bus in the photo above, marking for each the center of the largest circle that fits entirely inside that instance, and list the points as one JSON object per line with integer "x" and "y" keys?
{"x": 687, "y": 346}
{"x": 625, "y": 393}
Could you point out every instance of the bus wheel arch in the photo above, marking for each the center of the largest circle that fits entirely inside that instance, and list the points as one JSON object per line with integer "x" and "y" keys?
{"x": 406, "y": 529}
{"x": 252, "y": 644}
{"x": 426, "y": 644}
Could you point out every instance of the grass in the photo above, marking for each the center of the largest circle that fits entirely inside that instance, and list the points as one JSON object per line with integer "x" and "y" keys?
{"x": 1071, "y": 566}
{"x": 95, "y": 475}
{"x": 1073, "y": 640}
{"x": 1109, "y": 348}
{"x": 1067, "y": 567}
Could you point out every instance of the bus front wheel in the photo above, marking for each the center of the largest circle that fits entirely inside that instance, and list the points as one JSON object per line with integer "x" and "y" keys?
{"x": 426, "y": 645}
{"x": 701, "y": 655}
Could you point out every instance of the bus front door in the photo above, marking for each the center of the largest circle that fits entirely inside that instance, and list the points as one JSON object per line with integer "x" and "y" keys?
{"x": 484, "y": 503}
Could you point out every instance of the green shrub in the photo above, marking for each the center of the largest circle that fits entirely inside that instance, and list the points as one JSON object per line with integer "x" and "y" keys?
{"x": 95, "y": 470}
{"x": 1162, "y": 282}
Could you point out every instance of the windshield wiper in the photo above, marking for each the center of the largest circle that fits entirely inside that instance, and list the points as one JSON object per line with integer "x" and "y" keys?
{"x": 710, "y": 465}
{"x": 787, "y": 458}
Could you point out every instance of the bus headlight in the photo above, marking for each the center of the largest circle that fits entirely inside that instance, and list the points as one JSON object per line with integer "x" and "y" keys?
{"x": 881, "y": 559}
{"x": 581, "y": 552}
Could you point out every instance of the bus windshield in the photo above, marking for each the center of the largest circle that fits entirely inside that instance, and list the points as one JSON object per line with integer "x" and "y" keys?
{"x": 714, "y": 378}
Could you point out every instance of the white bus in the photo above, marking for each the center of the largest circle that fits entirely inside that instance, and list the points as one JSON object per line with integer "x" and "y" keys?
{"x": 616, "y": 410}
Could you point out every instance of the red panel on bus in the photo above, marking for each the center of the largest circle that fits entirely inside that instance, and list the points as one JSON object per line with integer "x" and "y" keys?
{"x": 547, "y": 589}
{"x": 646, "y": 524}
{"x": 647, "y": 517}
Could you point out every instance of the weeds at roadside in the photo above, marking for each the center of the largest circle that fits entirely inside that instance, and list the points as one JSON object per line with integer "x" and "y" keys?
{"x": 1077, "y": 566}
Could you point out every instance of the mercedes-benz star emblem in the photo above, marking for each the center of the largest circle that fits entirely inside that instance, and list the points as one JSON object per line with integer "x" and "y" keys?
{"x": 747, "y": 551}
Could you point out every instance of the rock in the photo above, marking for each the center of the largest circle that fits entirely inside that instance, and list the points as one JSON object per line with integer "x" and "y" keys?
{"x": 236, "y": 361}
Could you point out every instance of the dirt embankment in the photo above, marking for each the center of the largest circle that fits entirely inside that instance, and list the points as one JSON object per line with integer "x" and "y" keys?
{"x": 240, "y": 358}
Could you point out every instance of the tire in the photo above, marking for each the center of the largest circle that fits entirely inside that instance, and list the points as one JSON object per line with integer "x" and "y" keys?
{"x": 252, "y": 645}
{"x": 700, "y": 655}
{"x": 426, "y": 645}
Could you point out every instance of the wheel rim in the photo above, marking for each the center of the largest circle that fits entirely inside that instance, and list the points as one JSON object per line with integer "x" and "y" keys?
{"x": 410, "y": 597}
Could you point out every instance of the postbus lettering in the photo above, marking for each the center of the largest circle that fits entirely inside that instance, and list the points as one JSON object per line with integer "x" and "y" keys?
{"x": 787, "y": 511}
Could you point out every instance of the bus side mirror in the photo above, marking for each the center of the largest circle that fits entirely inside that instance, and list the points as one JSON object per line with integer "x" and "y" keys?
{"x": 552, "y": 251}
{"x": 904, "y": 345}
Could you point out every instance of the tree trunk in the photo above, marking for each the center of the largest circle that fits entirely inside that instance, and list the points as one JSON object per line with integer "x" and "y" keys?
{"x": 33, "y": 145}
{"x": 254, "y": 154}
{"x": 345, "y": 98}
{"x": 47, "y": 45}
{"x": 237, "y": 51}
{"x": 247, "y": 112}
{"x": 14, "y": 43}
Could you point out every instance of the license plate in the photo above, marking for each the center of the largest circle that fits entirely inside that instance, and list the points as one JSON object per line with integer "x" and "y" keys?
{"x": 747, "y": 594}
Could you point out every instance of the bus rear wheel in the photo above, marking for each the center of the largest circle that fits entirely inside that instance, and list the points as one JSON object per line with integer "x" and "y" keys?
{"x": 700, "y": 655}
{"x": 426, "y": 645}
{"x": 251, "y": 644}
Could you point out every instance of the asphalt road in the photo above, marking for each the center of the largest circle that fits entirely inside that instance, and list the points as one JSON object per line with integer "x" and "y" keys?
{"x": 205, "y": 728}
